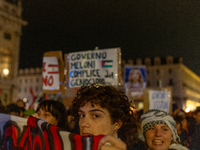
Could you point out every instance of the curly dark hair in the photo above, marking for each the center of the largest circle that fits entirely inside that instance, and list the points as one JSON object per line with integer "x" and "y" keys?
{"x": 57, "y": 109}
{"x": 117, "y": 104}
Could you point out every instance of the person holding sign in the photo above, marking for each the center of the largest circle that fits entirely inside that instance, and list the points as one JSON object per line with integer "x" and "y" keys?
{"x": 159, "y": 130}
{"x": 101, "y": 109}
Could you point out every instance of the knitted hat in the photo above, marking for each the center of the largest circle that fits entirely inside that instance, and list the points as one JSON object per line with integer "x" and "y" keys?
{"x": 153, "y": 117}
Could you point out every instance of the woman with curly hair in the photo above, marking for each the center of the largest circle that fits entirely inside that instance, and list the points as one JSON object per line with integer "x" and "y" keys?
{"x": 102, "y": 109}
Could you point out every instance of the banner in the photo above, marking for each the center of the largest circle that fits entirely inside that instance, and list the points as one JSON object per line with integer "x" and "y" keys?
{"x": 37, "y": 134}
{"x": 98, "y": 66}
{"x": 135, "y": 81}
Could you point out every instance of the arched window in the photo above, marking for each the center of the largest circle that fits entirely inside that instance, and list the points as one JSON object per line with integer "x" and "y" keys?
{"x": 5, "y": 62}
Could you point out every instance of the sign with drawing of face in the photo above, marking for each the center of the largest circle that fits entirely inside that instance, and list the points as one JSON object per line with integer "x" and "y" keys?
{"x": 135, "y": 81}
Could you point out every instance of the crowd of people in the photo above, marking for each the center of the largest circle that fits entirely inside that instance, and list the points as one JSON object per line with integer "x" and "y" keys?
{"x": 103, "y": 110}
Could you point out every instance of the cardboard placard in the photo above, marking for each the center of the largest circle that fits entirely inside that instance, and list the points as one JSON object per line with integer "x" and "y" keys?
{"x": 53, "y": 73}
{"x": 158, "y": 98}
{"x": 97, "y": 66}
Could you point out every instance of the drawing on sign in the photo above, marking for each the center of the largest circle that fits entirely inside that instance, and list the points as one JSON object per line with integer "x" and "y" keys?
{"x": 50, "y": 73}
{"x": 107, "y": 63}
{"x": 135, "y": 81}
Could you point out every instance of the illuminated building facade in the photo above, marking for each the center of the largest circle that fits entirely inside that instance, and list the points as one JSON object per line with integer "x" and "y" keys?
{"x": 11, "y": 25}
{"x": 172, "y": 72}
{"x": 29, "y": 79}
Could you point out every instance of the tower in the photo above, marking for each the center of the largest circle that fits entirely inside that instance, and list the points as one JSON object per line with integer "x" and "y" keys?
{"x": 11, "y": 24}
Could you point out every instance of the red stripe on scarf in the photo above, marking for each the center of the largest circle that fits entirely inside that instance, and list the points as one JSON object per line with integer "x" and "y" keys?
{"x": 96, "y": 141}
{"x": 56, "y": 138}
{"x": 78, "y": 141}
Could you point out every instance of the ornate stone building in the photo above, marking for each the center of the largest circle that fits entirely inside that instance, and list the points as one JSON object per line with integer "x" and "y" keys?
{"x": 172, "y": 72}
{"x": 11, "y": 24}
{"x": 29, "y": 79}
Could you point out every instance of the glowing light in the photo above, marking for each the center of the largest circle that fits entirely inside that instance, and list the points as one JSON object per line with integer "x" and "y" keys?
{"x": 5, "y": 72}
{"x": 187, "y": 110}
{"x": 140, "y": 105}
{"x": 25, "y": 100}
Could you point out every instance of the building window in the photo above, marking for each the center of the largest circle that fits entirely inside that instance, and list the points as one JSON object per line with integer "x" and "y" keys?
{"x": 26, "y": 81}
{"x": 15, "y": 2}
{"x": 158, "y": 71}
{"x": 25, "y": 89}
{"x": 37, "y": 80}
{"x": 5, "y": 61}
{"x": 6, "y": 8}
{"x": 170, "y": 71}
{"x": 20, "y": 81}
{"x": 19, "y": 90}
{"x": 147, "y": 72}
{"x": 31, "y": 80}
{"x": 7, "y": 36}
{"x": 148, "y": 83}
{"x": 171, "y": 82}
{"x": 158, "y": 83}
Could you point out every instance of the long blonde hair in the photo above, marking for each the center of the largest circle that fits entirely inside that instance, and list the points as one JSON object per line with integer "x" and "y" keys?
{"x": 132, "y": 72}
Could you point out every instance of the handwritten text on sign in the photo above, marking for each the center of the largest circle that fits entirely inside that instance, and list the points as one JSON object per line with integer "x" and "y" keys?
{"x": 159, "y": 100}
{"x": 50, "y": 73}
{"x": 99, "y": 66}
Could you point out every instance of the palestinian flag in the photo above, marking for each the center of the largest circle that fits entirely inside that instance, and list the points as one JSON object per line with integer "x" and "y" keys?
{"x": 107, "y": 63}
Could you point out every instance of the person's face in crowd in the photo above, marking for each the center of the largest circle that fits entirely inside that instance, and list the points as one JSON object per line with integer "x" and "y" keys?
{"x": 197, "y": 117}
{"x": 135, "y": 76}
{"x": 159, "y": 137}
{"x": 20, "y": 104}
{"x": 95, "y": 120}
{"x": 47, "y": 116}
{"x": 14, "y": 113}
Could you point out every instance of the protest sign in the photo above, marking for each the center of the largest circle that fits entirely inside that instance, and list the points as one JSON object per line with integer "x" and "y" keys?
{"x": 53, "y": 72}
{"x": 97, "y": 66}
{"x": 135, "y": 81}
{"x": 158, "y": 98}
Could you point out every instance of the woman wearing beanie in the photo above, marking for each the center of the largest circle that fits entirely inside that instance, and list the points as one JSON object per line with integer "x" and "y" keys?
{"x": 159, "y": 130}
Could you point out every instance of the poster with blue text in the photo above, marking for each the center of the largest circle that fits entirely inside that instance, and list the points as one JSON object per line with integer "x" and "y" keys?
{"x": 97, "y": 66}
{"x": 160, "y": 100}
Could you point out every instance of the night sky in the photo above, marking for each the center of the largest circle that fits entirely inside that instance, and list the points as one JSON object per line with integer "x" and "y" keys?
{"x": 142, "y": 28}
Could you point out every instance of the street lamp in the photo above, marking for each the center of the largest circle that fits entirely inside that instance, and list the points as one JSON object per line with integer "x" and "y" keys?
{"x": 5, "y": 72}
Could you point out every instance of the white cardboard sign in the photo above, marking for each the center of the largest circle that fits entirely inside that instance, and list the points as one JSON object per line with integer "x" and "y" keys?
{"x": 159, "y": 100}
{"x": 88, "y": 67}
{"x": 50, "y": 73}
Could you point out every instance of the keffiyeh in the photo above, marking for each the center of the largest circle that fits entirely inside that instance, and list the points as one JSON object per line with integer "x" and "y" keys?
{"x": 153, "y": 117}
